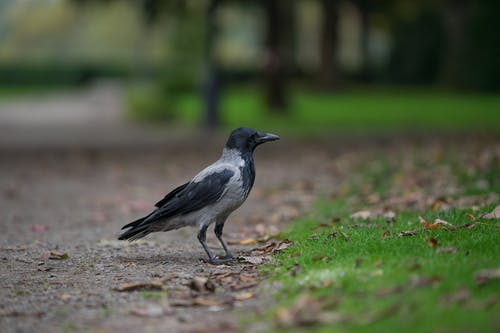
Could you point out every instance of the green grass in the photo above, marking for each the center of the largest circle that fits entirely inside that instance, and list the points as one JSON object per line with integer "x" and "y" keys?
{"x": 373, "y": 111}
{"x": 372, "y": 279}
{"x": 328, "y": 269}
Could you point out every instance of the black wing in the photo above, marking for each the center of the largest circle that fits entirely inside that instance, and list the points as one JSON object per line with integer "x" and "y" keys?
{"x": 171, "y": 195}
{"x": 192, "y": 196}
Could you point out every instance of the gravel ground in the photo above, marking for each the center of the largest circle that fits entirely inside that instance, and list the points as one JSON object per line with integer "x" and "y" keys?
{"x": 74, "y": 202}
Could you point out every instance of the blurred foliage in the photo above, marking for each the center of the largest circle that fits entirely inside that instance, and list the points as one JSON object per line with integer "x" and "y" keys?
{"x": 145, "y": 102}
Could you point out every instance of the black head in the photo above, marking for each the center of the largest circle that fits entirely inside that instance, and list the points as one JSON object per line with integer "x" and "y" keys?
{"x": 246, "y": 139}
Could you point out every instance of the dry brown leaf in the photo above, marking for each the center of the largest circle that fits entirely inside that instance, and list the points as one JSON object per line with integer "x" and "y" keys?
{"x": 151, "y": 310}
{"x": 449, "y": 249}
{"x": 444, "y": 223}
{"x": 361, "y": 215}
{"x": 423, "y": 281}
{"x": 146, "y": 285}
{"x": 460, "y": 296}
{"x": 427, "y": 225}
{"x": 202, "y": 284}
{"x": 408, "y": 233}
{"x": 209, "y": 302}
{"x": 245, "y": 241}
{"x": 470, "y": 216}
{"x": 494, "y": 214}
{"x": 438, "y": 223}
{"x": 243, "y": 296}
{"x": 54, "y": 255}
{"x": 346, "y": 237}
{"x": 432, "y": 242}
{"x": 485, "y": 275}
{"x": 284, "y": 244}
{"x": 254, "y": 260}
{"x": 265, "y": 249}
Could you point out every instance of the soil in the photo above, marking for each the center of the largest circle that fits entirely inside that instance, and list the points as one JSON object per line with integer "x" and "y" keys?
{"x": 74, "y": 201}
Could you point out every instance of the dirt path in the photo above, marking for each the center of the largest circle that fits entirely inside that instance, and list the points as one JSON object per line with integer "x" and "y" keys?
{"x": 75, "y": 201}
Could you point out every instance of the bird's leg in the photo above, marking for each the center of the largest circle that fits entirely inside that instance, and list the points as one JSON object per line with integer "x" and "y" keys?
{"x": 218, "y": 232}
{"x": 202, "y": 236}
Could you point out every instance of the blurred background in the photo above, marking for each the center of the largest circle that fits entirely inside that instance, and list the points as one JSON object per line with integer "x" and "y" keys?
{"x": 308, "y": 67}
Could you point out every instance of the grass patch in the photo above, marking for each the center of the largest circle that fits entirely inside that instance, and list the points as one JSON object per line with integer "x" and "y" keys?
{"x": 376, "y": 280}
{"x": 363, "y": 111}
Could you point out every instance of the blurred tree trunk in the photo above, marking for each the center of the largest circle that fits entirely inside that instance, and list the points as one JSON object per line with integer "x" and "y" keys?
{"x": 456, "y": 21}
{"x": 212, "y": 82}
{"x": 329, "y": 74}
{"x": 364, "y": 11}
{"x": 279, "y": 14}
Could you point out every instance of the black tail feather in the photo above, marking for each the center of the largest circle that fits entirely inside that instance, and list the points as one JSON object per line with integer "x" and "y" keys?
{"x": 135, "y": 223}
{"x": 135, "y": 233}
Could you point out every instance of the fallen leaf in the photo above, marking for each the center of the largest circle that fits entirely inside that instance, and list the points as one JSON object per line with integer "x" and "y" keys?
{"x": 408, "y": 233}
{"x": 54, "y": 255}
{"x": 361, "y": 215}
{"x": 202, "y": 284}
{"x": 444, "y": 223}
{"x": 209, "y": 302}
{"x": 389, "y": 215}
{"x": 254, "y": 260}
{"x": 151, "y": 310}
{"x": 449, "y": 249}
{"x": 427, "y": 225}
{"x": 245, "y": 241}
{"x": 470, "y": 216}
{"x": 266, "y": 249}
{"x": 284, "y": 244}
{"x": 322, "y": 226}
{"x": 432, "y": 242}
{"x": 423, "y": 281}
{"x": 494, "y": 214}
{"x": 460, "y": 296}
{"x": 346, "y": 237}
{"x": 243, "y": 296}
{"x": 485, "y": 275}
{"x": 147, "y": 286}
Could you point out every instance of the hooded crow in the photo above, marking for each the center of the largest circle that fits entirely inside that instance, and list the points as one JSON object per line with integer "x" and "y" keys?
{"x": 210, "y": 196}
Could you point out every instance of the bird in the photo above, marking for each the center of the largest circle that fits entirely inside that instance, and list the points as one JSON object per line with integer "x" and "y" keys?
{"x": 210, "y": 197}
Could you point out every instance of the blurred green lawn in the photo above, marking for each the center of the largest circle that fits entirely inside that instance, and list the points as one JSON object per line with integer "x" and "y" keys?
{"x": 361, "y": 111}
{"x": 358, "y": 111}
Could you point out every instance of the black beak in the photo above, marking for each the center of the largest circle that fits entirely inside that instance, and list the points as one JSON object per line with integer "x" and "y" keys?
{"x": 265, "y": 137}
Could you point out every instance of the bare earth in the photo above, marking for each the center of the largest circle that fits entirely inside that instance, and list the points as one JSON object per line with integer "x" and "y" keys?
{"x": 75, "y": 201}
